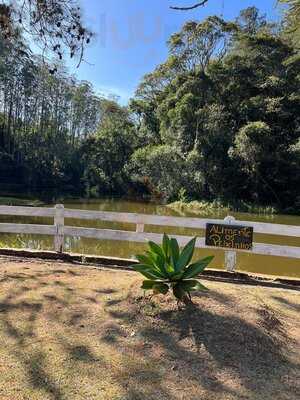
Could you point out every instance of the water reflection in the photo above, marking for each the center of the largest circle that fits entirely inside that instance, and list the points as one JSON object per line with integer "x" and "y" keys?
{"x": 246, "y": 262}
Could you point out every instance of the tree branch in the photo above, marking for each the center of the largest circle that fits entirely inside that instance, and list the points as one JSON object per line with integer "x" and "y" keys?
{"x": 202, "y": 3}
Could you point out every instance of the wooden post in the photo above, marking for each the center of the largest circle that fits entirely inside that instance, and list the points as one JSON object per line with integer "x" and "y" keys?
{"x": 59, "y": 222}
{"x": 230, "y": 256}
{"x": 140, "y": 228}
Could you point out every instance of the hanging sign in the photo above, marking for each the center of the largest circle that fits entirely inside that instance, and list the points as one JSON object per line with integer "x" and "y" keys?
{"x": 229, "y": 236}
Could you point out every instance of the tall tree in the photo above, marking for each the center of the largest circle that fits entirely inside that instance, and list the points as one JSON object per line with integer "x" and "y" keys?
{"x": 292, "y": 22}
{"x": 227, "y": 100}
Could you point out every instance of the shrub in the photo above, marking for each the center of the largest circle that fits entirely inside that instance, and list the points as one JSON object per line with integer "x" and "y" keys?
{"x": 166, "y": 268}
{"x": 160, "y": 168}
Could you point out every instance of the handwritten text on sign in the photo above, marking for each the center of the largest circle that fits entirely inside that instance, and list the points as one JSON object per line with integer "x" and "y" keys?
{"x": 229, "y": 236}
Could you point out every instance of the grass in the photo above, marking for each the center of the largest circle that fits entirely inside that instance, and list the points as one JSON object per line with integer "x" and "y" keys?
{"x": 73, "y": 332}
{"x": 15, "y": 242}
{"x": 215, "y": 207}
{"x": 15, "y": 201}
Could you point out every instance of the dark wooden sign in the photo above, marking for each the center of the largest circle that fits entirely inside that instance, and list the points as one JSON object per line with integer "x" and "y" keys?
{"x": 229, "y": 236}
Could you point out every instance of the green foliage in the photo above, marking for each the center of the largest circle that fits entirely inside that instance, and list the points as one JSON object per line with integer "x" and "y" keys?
{"x": 252, "y": 142}
{"x": 167, "y": 268}
{"x": 197, "y": 43}
{"x": 216, "y": 207}
{"x": 232, "y": 115}
{"x": 105, "y": 153}
{"x": 161, "y": 169}
{"x": 43, "y": 119}
{"x": 200, "y": 207}
{"x": 53, "y": 26}
{"x": 250, "y": 21}
{"x": 218, "y": 119}
{"x": 292, "y": 20}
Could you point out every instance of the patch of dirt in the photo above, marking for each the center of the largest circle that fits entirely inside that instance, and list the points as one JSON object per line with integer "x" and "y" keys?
{"x": 269, "y": 320}
{"x": 73, "y": 332}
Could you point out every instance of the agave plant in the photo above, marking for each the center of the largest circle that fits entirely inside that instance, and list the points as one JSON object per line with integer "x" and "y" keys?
{"x": 167, "y": 268}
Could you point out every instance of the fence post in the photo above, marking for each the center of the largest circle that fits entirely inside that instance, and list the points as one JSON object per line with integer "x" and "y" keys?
{"x": 140, "y": 228}
{"x": 230, "y": 256}
{"x": 59, "y": 222}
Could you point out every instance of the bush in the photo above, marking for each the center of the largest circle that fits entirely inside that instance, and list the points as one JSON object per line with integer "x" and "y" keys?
{"x": 166, "y": 268}
{"x": 160, "y": 168}
{"x": 252, "y": 142}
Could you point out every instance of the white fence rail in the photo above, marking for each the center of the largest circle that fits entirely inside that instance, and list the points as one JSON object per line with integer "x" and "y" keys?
{"x": 59, "y": 230}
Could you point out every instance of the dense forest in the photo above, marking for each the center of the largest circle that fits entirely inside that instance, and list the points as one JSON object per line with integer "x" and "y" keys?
{"x": 219, "y": 119}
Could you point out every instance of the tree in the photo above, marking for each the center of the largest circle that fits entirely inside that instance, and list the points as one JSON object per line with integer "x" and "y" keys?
{"x": 160, "y": 169}
{"x": 255, "y": 146}
{"x": 218, "y": 119}
{"x": 105, "y": 153}
{"x": 55, "y": 26}
{"x": 192, "y": 7}
{"x": 207, "y": 99}
{"x": 291, "y": 23}
{"x": 197, "y": 43}
{"x": 43, "y": 119}
{"x": 250, "y": 21}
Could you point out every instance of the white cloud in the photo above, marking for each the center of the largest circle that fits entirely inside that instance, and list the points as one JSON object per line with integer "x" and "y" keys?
{"x": 107, "y": 91}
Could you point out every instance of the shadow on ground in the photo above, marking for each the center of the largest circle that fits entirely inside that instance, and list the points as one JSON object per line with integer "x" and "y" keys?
{"x": 203, "y": 347}
{"x": 142, "y": 350}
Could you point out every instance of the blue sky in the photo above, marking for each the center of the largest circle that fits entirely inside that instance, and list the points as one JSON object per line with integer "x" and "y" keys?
{"x": 131, "y": 37}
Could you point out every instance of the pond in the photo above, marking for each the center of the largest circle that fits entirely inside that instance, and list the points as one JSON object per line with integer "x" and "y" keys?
{"x": 279, "y": 266}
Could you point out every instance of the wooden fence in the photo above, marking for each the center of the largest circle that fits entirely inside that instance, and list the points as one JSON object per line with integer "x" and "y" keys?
{"x": 59, "y": 230}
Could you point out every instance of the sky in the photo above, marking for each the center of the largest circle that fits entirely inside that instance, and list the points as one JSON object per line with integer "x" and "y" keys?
{"x": 131, "y": 37}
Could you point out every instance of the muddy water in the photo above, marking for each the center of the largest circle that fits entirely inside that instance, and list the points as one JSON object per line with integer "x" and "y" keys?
{"x": 246, "y": 262}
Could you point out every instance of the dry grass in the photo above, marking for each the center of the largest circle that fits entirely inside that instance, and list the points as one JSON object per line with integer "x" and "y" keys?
{"x": 70, "y": 332}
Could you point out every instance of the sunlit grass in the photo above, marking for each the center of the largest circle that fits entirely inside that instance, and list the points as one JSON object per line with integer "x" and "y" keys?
{"x": 218, "y": 208}
{"x": 16, "y": 201}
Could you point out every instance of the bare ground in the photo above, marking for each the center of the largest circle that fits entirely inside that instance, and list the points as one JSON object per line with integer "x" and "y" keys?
{"x": 73, "y": 332}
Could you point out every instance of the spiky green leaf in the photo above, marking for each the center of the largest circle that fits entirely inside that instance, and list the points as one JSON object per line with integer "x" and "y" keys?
{"x": 161, "y": 288}
{"x": 155, "y": 248}
{"x": 159, "y": 263}
{"x": 192, "y": 286}
{"x": 165, "y": 245}
{"x": 147, "y": 272}
{"x": 148, "y": 285}
{"x": 170, "y": 270}
{"x": 186, "y": 255}
{"x": 174, "y": 252}
{"x": 196, "y": 268}
{"x": 143, "y": 259}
